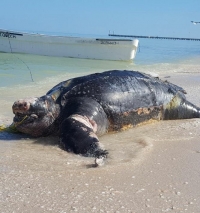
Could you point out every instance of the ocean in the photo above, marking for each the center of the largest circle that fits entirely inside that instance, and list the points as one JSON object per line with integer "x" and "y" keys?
{"x": 23, "y": 75}
{"x": 153, "y": 55}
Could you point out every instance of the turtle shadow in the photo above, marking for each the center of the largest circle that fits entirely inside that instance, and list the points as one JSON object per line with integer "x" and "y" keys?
{"x": 8, "y": 136}
{"x": 49, "y": 140}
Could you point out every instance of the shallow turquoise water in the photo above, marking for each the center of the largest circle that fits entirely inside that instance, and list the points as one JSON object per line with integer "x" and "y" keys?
{"x": 153, "y": 55}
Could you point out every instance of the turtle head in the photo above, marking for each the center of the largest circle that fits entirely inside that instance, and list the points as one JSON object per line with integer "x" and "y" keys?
{"x": 35, "y": 116}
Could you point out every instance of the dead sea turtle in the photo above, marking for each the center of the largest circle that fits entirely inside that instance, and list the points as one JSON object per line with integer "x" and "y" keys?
{"x": 81, "y": 109}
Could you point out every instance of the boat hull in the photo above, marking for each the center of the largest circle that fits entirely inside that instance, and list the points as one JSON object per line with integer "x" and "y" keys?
{"x": 64, "y": 46}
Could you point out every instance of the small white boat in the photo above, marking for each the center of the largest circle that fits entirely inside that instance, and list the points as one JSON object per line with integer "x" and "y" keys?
{"x": 65, "y": 46}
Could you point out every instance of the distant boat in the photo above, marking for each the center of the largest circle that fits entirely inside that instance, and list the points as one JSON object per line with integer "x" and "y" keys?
{"x": 66, "y": 46}
{"x": 195, "y": 22}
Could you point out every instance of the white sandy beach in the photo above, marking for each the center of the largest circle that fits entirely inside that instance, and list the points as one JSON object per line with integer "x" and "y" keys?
{"x": 151, "y": 169}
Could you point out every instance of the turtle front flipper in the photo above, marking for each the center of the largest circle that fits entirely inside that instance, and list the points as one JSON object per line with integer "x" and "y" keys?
{"x": 77, "y": 136}
{"x": 84, "y": 120}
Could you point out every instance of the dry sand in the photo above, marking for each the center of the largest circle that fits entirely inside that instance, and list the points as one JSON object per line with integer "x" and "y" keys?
{"x": 152, "y": 168}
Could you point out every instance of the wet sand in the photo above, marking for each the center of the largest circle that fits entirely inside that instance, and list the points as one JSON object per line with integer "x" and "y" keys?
{"x": 151, "y": 169}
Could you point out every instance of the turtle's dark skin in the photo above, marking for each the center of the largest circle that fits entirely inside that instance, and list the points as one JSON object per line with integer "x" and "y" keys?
{"x": 81, "y": 109}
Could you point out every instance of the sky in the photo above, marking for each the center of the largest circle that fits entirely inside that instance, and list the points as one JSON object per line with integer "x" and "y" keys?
{"x": 99, "y": 17}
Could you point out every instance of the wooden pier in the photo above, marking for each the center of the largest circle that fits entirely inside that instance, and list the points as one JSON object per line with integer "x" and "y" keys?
{"x": 155, "y": 37}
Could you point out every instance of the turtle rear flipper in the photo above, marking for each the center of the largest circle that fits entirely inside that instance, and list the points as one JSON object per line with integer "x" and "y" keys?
{"x": 180, "y": 108}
